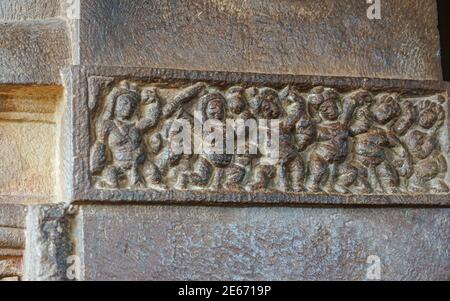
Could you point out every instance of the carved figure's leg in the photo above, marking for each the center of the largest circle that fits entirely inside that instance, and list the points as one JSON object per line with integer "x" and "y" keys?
{"x": 318, "y": 171}
{"x": 263, "y": 175}
{"x": 388, "y": 178}
{"x": 135, "y": 178}
{"x": 346, "y": 177}
{"x": 297, "y": 174}
{"x": 235, "y": 175}
{"x": 362, "y": 180}
{"x": 111, "y": 176}
{"x": 202, "y": 172}
{"x": 152, "y": 174}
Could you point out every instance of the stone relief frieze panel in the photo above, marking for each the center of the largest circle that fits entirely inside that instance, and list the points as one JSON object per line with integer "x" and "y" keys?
{"x": 353, "y": 142}
{"x": 338, "y": 139}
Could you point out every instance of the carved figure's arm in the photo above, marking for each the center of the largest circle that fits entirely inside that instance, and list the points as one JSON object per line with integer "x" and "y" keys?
{"x": 362, "y": 123}
{"x": 293, "y": 115}
{"x": 305, "y": 133}
{"x": 402, "y": 162}
{"x": 182, "y": 98}
{"x": 98, "y": 151}
{"x": 151, "y": 119}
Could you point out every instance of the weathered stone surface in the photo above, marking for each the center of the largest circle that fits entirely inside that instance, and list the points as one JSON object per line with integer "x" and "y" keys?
{"x": 378, "y": 128}
{"x": 28, "y": 139}
{"x": 33, "y": 52}
{"x": 198, "y": 243}
{"x": 17, "y": 10}
{"x": 12, "y": 216}
{"x": 10, "y": 269}
{"x": 12, "y": 238}
{"x": 282, "y": 37}
{"x": 12, "y": 241}
{"x": 48, "y": 234}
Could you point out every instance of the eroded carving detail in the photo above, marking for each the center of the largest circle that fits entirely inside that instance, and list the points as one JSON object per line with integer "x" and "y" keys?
{"x": 348, "y": 143}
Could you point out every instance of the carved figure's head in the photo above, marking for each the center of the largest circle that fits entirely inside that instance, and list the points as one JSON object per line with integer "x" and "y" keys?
{"x": 126, "y": 106}
{"x": 362, "y": 97}
{"x": 265, "y": 104}
{"x": 326, "y": 102}
{"x": 430, "y": 114}
{"x": 290, "y": 96}
{"x": 236, "y": 99}
{"x": 386, "y": 108}
{"x": 212, "y": 106}
{"x": 123, "y": 101}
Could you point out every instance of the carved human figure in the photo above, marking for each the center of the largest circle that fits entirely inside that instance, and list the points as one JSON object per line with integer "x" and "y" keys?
{"x": 120, "y": 132}
{"x": 379, "y": 167}
{"x": 239, "y": 112}
{"x": 212, "y": 161}
{"x": 357, "y": 119}
{"x": 172, "y": 163}
{"x": 288, "y": 167}
{"x": 331, "y": 148}
{"x": 169, "y": 163}
{"x": 423, "y": 143}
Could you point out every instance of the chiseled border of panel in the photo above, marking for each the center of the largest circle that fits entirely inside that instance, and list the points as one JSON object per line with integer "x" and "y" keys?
{"x": 75, "y": 142}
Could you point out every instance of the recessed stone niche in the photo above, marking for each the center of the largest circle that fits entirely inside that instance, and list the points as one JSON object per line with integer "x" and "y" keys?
{"x": 28, "y": 130}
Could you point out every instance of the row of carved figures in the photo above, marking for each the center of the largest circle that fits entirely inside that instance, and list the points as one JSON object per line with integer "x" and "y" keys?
{"x": 357, "y": 142}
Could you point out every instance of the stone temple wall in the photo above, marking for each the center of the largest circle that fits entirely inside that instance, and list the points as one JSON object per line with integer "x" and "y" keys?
{"x": 90, "y": 93}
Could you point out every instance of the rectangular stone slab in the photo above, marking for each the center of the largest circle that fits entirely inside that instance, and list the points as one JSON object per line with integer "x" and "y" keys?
{"x": 201, "y": 243}
{"x": 265, "y": 36}
{"x": 89, "y": 90}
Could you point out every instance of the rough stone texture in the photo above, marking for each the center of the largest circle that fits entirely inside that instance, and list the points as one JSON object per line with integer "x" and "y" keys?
{"x": 33, "y": 52}
{"x": 18, "y": 10}
{"x": 180, "y": 243}
{"x": 12, "y": 215}
{"x": 48, "y": 234}
{"x": 287, "y": 37}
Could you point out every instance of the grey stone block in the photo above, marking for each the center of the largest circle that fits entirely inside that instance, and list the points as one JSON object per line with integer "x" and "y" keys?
{"x": 200, "y": 243}
{"x": 282, "y": 37}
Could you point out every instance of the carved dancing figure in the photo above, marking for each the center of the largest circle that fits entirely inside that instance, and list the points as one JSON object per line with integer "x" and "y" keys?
{"x": 212, "y": 107}
{"x": 120, "y": 132}
{"x": 289, "y": 166}
{"x": 425, "y": 149}
{"x": 379, "y": 155}
{"x": 238, "y": 109}
{"x": 331, "y": 147}
{"x": 169, "y": 162}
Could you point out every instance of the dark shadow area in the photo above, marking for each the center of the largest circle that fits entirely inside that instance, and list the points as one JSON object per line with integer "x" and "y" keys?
{"x": 444, "y": 30}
